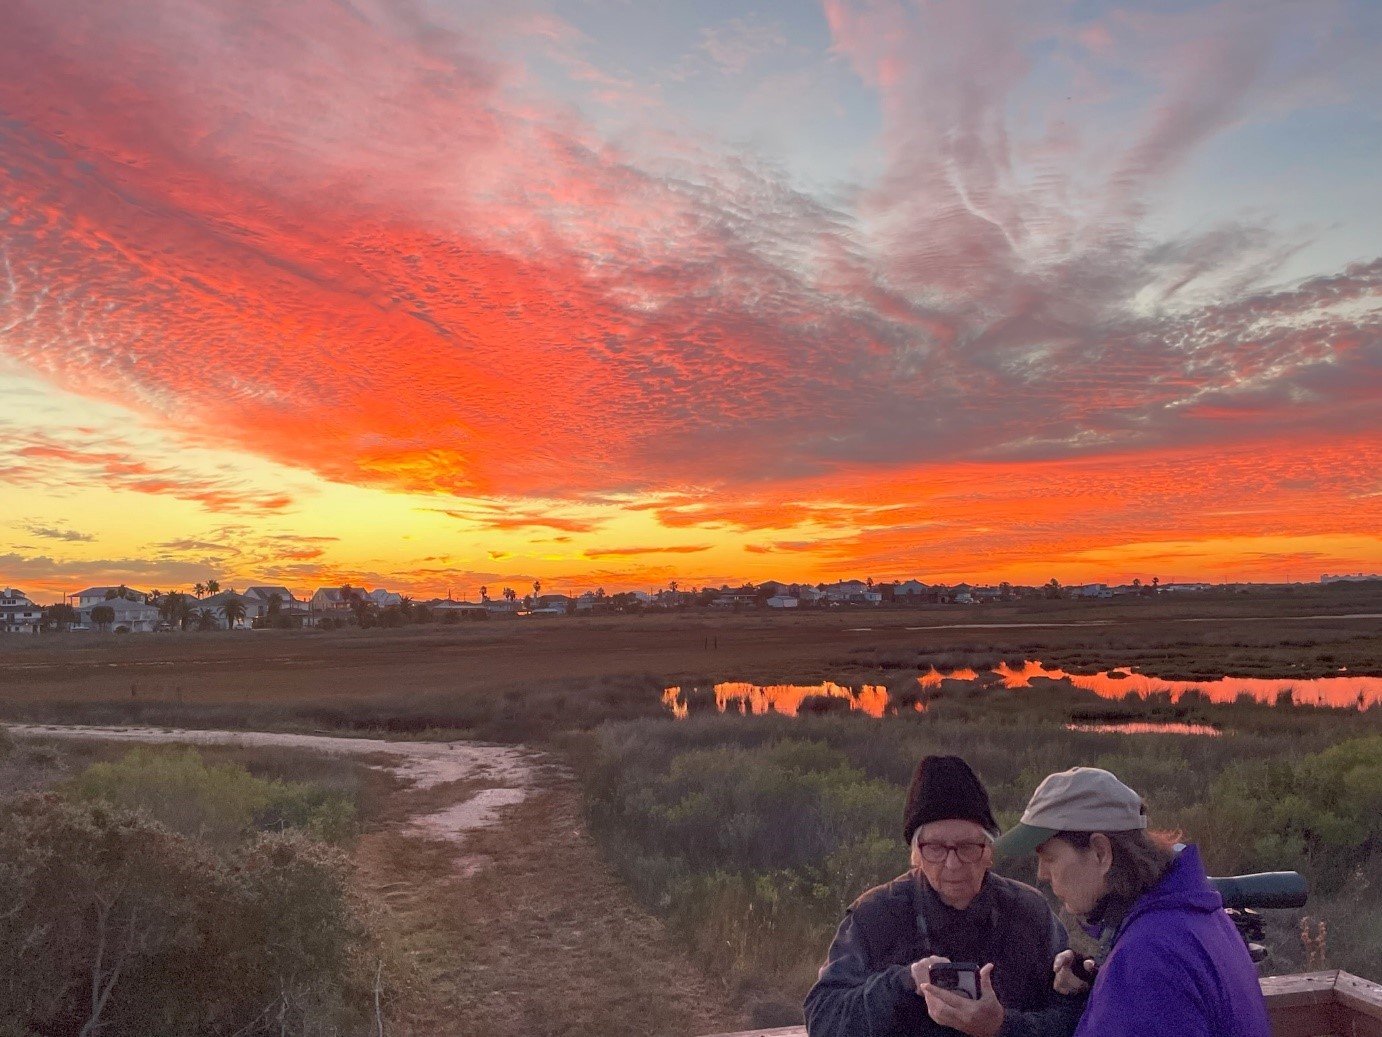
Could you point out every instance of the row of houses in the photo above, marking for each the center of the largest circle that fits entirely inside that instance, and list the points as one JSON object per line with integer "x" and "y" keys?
{"x": 138, "y": 612}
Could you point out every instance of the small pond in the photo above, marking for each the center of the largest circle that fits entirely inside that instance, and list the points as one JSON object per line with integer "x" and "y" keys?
{"x": 873, "y": 699}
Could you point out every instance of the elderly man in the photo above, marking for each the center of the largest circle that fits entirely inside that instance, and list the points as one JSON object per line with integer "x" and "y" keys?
{"x": 948, "y": 908}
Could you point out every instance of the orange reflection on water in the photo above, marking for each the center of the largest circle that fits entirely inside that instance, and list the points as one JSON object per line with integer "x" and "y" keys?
{"x": 1344, "y": 691}
{"x": 786, "y": 699}
{"x": 671, "y": 698}
{"x": 934, "y": 678}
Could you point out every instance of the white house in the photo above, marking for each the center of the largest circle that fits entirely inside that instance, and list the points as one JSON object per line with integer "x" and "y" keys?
{"x": 138, "y": 617}
{"x": 783, "y": 601}
{"x": 18, "y": 615}
{"x": 383, "y": 599}
{"x": 97, "y": 595}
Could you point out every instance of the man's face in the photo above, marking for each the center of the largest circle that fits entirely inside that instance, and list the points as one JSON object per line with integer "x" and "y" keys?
{"x": 955, "y": 882}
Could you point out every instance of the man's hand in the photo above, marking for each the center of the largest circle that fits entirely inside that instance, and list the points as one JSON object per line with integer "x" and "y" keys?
{"x": 921, "y": 970}
{"x": 982, "y": 1018}
{"x": 1066, "y": 981}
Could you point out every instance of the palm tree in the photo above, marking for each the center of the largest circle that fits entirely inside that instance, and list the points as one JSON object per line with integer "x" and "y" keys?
{"x": 212, "y": 587}
{"x": 484, "y": 594}
{"x": 234, "y": 611}
{"x": 205, "y": 618}
{"x": 537, "y": 587}
{"x": 199, "y": 589}
{"x": 510, "y": 594}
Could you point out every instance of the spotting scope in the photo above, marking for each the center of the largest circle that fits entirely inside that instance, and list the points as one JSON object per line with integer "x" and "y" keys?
{"x": 1268, "y": 889}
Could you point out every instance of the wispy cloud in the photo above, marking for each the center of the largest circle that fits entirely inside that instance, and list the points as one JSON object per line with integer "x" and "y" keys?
{"x": 626, "y": 552}
{"x": 52, "y": 533}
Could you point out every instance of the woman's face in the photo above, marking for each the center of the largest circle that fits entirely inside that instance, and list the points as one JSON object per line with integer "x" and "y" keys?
{"x": 1077, "y": 877}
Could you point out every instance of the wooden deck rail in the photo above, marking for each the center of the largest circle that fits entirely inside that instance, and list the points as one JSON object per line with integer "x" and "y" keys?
{"x": 1312, "y": 1004}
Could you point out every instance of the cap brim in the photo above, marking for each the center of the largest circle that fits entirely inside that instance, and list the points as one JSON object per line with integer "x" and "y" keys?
{"x": 1022, "y": 839}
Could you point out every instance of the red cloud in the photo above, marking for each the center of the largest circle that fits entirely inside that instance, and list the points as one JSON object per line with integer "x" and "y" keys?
{"x": 361, "y": 243}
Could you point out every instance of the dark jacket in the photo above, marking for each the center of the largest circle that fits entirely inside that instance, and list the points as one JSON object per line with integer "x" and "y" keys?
{"x": 865, "y": 988}
{"x": 1177, "y": 966}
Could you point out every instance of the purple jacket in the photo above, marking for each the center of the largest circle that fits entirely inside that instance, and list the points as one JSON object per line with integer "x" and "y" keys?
{"x": 1178, "y": 966}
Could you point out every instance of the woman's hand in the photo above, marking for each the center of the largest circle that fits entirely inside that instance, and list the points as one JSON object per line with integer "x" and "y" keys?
{"x": 1067, "y": 982}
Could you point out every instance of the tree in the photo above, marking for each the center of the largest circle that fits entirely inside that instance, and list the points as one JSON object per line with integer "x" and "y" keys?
{"x": 103, "y": 616}
{"x": 1156, "y": 583}
{"x": 212, "y": 587}
{"x": 60, "y": 616}
{"x": 199, "y": 589}
{"x": 275, "y": 605}
{"x": 234, "y": 611}
{"x": 510, "y": 595}
{"x": 1053, "y": 589}
{"x": 205, "y": 618}
{"x": 484, "y": 594}
{"x": 1137, "y": 581}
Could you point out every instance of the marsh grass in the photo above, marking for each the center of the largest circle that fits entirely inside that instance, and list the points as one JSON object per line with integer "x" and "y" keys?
{"x": 751, "y": 835}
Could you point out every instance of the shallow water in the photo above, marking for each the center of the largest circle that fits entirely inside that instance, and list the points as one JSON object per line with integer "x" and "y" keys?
{"x": 873, "y": 699}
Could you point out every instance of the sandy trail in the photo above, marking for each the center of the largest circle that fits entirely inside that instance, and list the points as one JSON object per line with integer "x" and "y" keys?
{"x": 508, "y": 774}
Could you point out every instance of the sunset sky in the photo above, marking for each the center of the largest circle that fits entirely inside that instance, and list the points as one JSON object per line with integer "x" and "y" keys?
{"x": 430, "y": 294}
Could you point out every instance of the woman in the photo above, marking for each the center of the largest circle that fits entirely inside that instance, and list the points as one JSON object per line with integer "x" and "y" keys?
{"x": 1176, "y": 964}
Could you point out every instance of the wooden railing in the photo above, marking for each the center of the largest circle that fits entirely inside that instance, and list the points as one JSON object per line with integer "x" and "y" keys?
{"x": 1313, "y": 1004}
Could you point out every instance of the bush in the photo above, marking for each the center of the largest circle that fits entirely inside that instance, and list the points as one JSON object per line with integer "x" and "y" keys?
{"x": 112, "y": 921}
{"x": 220, "y": 803}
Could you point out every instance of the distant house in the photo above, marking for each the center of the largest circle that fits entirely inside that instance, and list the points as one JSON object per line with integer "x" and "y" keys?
{"x": 1091, "y": 590}
{"x": 216, "y": 605}
{"x": 910, "y": 590}
{"x": 384, "y": 599}
{"x": 138, "y": 617}
{"x": 332, "y": 599}
{"x": 1179, "y": 588}
{"x": 97, "y": 595}
{"x": 783, "y": 601}
{"x": 18, "y": 615}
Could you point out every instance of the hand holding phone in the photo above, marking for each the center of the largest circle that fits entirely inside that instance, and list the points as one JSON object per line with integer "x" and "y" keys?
{"x": 960, "y": 976}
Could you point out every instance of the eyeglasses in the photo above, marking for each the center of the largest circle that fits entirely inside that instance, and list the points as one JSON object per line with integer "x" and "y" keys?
{"x": 936, "y": 853}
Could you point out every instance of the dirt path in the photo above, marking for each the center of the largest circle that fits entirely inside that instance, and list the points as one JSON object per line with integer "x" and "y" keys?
{"x": 494, "y": 895}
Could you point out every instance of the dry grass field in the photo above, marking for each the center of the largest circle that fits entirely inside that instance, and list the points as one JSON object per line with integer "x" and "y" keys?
{"x": 526, "y": 679}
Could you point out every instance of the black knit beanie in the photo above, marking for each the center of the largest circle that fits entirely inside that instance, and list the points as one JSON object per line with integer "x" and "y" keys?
{"x": 944, "y": 789}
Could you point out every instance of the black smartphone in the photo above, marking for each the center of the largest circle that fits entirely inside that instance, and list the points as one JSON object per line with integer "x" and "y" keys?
{"x": 959, "y": 976}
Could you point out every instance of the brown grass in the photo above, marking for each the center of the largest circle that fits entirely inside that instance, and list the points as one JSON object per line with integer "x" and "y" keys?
{"x": 521, "y": 680}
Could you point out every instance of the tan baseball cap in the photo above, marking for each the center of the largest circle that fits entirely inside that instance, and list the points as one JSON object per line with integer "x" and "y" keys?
{"x": 1082, "y": 799}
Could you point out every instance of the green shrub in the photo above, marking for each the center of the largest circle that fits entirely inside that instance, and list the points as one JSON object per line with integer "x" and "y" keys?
{"x": 218, "y": 803}
{"x": 114, "y": 923}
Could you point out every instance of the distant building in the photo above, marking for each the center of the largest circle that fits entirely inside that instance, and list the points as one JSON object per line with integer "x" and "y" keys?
{"x": 1350, "y": 578}
{"x": 138, "y": 617}
{"x": 1091, "y": 590}
{"x": 783, "y": 601}
{"x": 18, "y": 615}
{"x": 97, "y": 595}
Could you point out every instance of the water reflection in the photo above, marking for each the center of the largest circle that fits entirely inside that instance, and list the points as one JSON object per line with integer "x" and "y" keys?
{"x": 1345, "y": 691}
{"x": 787, "y": 699}
{"x": 1138, "y": 727}
{"x": 873, "y": 700}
